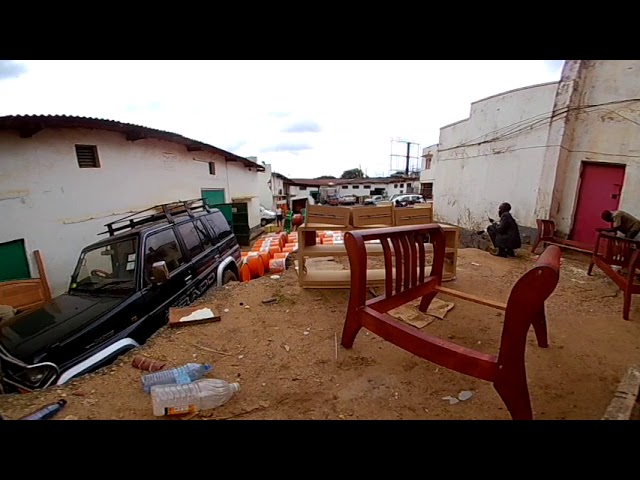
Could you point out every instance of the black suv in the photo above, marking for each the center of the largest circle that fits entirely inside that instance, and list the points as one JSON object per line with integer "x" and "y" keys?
{"x": 120, "y": 294}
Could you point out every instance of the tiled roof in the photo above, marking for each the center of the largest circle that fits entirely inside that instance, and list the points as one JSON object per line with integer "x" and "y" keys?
{"x": 29, "y": 125}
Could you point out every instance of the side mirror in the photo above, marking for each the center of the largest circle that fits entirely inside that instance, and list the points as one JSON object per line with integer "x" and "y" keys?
{"x": 159, "y": 272}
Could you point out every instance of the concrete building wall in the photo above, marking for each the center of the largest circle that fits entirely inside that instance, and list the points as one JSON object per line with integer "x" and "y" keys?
{"x": 605, "y": 130}
{"x": 494, "y": 156}
{"x": 59, "y": 208}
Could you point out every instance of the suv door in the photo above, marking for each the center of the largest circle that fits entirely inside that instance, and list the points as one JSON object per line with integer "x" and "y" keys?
{"x": 164, "y": 246}
{"x": 226, "y": 242}
{"x": 203, "y": 254}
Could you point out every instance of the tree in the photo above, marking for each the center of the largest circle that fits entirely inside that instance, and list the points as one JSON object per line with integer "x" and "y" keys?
{"x": 353, "y": 173}
{"x": 326, "y": 177}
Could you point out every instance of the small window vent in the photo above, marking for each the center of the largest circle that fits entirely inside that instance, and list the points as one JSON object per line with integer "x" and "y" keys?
{"x": 87, "y": 156}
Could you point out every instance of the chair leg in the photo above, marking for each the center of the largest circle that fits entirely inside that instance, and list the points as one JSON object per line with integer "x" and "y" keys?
{"x": 426, "y": 301}
{"x": 590, "y": 269}
{"x": 515, "y": 396}
{"x": 350, "y": 330}
{"x": 535, "y": 245}
{"x": 627, "y": 304}
{"x": 540, "y": 329}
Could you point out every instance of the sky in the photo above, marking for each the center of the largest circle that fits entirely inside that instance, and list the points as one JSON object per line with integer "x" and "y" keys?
{"x": 306, "y": 118}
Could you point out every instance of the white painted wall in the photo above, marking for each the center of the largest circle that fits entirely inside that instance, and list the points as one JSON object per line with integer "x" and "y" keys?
{"x": 244, "y": 186}
{"x": 608, "y": 133}
{"x": 472, "y": 181}
{"x": 60, "y": 208}
{"x": 428, "y": 174}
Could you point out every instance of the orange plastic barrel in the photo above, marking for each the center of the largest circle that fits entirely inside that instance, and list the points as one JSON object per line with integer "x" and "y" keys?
{"x": 245, "y": 273}
{"x": 265, "y": 257}
{"x": 281, "y": 255}
{"x": 275, "y": 249}
{"x": 256, "y": 267}
{"x": 277, "y": 265}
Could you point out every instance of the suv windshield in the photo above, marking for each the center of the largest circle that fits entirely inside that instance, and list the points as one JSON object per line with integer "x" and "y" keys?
{"x": 106, "y": 269}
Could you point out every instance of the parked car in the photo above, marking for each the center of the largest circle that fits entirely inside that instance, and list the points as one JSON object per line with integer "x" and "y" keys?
{"x": 373, "y": 200}
{"x": 266, "y": 216}
{"x": 407, "y": 199}
{"x": 119, "y": 295}
{"x": 333, "y": 200}
{"x": 348, "y": 200}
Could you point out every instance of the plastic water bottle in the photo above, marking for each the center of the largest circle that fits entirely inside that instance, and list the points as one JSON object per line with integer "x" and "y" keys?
{"x": 191, "y": 397}
{"x": 179, "y": 375}
{"x": 46, "y": 412}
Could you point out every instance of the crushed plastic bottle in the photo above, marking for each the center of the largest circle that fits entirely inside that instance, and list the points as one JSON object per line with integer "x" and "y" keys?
{"x": 191, "y": 397}
{"x": 179, "y": 375}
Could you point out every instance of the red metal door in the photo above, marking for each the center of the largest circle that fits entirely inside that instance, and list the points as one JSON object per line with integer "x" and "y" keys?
{"x": 600, "y": 188}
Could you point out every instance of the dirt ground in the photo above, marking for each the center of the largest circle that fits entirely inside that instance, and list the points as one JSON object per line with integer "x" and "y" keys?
{"x": 284, "y": 354}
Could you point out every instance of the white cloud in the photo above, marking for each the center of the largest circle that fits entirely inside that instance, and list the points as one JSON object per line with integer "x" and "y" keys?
{"x": 246, "y": 106}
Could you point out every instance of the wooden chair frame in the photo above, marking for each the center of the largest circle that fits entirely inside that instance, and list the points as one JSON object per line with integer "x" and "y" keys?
{"x": 525, "y": 307}
{"x": 546, "y": 236}
{"x": 610, "y": 251}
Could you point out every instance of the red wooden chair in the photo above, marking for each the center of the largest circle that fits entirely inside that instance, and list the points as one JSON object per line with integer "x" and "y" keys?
{"x": 524, "y": 308}
{"x": 624, "y": 253}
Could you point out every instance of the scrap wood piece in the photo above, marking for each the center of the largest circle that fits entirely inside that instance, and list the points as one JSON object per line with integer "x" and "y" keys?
{"x": 193, "y": 315}
{"x": 409, "y": 313}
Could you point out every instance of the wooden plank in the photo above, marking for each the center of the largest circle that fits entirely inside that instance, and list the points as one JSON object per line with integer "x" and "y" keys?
{"x": 323, "y": 215}
{"x": 43, "y": 275}
{"x": 473, "y": 298}
{"x": 22, "y": 294}
{"x": 412, "y": 216}
{"x": 372, "y": 216}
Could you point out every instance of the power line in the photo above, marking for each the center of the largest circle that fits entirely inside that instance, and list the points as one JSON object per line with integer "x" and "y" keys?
{"x": 509, "y": 150}
{"x": 548, "y": 116}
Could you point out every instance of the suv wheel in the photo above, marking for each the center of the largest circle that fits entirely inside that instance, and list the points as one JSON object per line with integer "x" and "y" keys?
{"x": 263, "y": 222}
{"x": 229, "y": 276}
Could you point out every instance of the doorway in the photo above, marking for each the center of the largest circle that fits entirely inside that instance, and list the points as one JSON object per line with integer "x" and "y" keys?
{"x": 216, "y": 198}
{"x": 600, "y": 189}
{"x": 13, "y": 258}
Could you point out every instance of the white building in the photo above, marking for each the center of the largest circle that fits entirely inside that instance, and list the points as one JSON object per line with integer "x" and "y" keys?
{"x": 360, "y": 187}
{"x": 63, "y": 178}
{"x": 563, "y": 150}
{"x": 427, "y": 177}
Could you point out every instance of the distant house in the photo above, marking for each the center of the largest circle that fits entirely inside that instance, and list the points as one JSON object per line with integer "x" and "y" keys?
{"x": 562, "y": 150}
{"x": 360, "y": 187}
{"x": 62, "y": 178}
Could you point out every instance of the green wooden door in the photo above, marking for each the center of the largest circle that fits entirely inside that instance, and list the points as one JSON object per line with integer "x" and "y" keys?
{"x": 13, "y": 261}
{"x": 215, "y": 198}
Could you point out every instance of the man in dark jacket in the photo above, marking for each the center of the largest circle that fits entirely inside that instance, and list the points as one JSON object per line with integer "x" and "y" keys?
{"x": 505, "y": 235}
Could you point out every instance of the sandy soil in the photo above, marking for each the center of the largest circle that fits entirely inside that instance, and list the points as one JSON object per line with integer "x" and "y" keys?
{"x": 287, "y": 374}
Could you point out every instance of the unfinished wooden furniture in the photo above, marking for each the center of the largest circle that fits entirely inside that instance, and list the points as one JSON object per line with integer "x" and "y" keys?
{"x": 613, "y": 251}
{"x": 343, "y": 219}
{"x": 546, "y": 236}
{"x": 25, "y": 295}
{"x": 408, "y": 281}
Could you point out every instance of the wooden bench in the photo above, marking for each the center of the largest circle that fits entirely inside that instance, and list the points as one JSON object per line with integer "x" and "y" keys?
{"x": 613, "y": 251}
{"x": 524, "y": 308}
{"x": 25, "y": 295}
{"x": 546, "y": 236}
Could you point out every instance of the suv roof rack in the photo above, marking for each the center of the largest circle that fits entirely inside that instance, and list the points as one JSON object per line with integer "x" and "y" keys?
{"x": 164, "y": 211}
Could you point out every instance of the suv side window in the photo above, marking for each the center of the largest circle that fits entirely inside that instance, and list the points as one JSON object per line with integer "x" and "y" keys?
{"x": 203, "y": 234}
{"x": 219, "y": 225}
{"x": 162, "y": 246}
{"x": 191, "y": 240}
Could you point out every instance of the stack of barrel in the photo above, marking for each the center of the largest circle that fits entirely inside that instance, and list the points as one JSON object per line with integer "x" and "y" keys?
{"x": 268, "y": 254}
